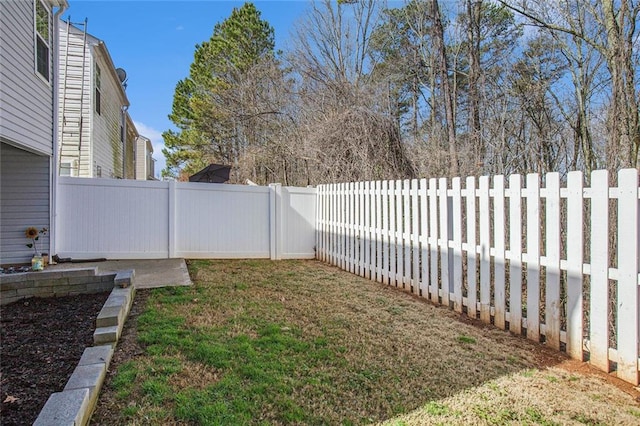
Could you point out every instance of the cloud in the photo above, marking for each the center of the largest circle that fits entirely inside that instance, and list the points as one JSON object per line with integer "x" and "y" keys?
{"x": 158, "y": 143}
{"x": 179, "y": 28}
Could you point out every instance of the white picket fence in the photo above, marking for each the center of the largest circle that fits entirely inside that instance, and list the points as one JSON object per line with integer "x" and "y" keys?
{"x": 127, "y": 219}
{"x": 514, "y": 255}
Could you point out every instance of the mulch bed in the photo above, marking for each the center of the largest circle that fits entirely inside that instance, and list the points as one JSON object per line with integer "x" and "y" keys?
{"x": 42, "y": 341}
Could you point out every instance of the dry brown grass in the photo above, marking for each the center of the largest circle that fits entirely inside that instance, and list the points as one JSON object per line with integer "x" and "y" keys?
{"x": 392, "y": 357}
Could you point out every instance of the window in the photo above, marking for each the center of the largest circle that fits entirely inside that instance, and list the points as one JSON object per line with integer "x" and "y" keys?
{"x": 42, "y": 24}
{"x": 65, "y": 168}
{"x": 97, "y": 82}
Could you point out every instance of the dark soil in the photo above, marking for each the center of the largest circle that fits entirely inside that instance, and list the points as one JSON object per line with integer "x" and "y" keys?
{"x": 42, "y": 341}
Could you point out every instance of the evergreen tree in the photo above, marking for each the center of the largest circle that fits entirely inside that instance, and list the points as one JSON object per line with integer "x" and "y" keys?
{"x": 211, "y": 122}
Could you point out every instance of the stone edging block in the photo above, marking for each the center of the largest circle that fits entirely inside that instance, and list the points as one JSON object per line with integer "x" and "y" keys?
{"x": 66, "y": 408}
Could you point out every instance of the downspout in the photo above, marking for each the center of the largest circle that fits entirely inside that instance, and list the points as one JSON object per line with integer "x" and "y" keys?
{"x": 54, "y": 161}
{"x": 124, "y": 140}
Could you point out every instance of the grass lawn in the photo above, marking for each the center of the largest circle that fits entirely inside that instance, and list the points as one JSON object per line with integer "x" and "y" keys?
{"x": 301, "y": 342}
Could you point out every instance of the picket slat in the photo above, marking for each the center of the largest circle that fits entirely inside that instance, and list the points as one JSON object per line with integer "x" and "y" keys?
{"x": 433, "y": 239}
{"x": 515, "y": 254}
{"x": 406, "y": 234}
{"x": 485, "y": 250}
{"x": 552, "y": 267}
{"x": 361, "y": 239}
{"x": 444, "y": 240}
{"x": 385, "y": 232}
{"x": 415, "y": 238}
{"x": 340, "y": 226}
{"x": 599, "y": 297}
{"x": 378, "y": 230}
{"x": 333, "y": 235}
{"x": 575, "y": 260}
{"x": 400, "y": 234}
{"x": 349, "y": 228}
{"x": 456, "y": 217}
{"x": 499, "y": 257}
{"x": 367, "y": 230}
{"x": 533, "y": 257}
{"x": 393, "y": 239}
{"x": 628, "y": 326}
{"x": 357, "y": 219}
{"x": 319, "y": 223}
{"x": 424, "y": 239}
{"x": 472, "y": 286}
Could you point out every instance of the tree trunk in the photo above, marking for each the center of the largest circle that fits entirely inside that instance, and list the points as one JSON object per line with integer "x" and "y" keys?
{"x": 443, "y": 71}
{"x": 624, "y": 120}
{"x": 474, "y": 8}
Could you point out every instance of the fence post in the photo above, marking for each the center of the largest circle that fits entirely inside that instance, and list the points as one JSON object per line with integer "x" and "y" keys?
{"x": 275, "y": 221}
{"x": 172, "y": 220}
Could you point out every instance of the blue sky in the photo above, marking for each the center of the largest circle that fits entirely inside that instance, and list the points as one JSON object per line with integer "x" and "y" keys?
{"x": 154, "y": 42}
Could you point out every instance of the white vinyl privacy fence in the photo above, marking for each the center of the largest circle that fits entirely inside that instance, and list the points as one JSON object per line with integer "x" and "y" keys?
{"x": 557, "y": 262}
{"x": 125, "y": 219}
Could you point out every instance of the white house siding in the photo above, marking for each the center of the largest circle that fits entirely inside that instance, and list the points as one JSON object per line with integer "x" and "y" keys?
{"x": 107, "y": 141}
{"x": 98, "y": 146}
{"x": 75, "y": 135}
{"x": 130, "y": 148}
{"x": 26, "y": 109}
{"x": 144, "y": 151}
{"x": 24, "y": 202}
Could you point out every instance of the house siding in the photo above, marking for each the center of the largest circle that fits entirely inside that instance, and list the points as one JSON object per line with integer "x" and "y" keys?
{"x": 141, "y": 158}
{"x": 130, "y": 149}
{"x": 144, "y": 160}
{"x": 91, "y": 142}
{"x": 24, "y": 202}
{"x": 76, "y": 104}
{"x": 107, "y": 141}
{"x": 27, "y": 100}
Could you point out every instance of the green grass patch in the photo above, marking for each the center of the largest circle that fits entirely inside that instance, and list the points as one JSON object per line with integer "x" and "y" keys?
{"x": 436, "y": 409}
{"x": 297, "y": 342}
{"x": 466, "y": 339}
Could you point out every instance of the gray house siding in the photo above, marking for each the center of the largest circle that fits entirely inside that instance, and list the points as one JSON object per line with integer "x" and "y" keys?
{"x": 27, "y": 135}
{"x": 24, "y": 202}
{"x": 27, "y": 100}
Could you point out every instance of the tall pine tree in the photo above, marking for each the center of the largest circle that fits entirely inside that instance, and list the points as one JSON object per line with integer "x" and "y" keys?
{"x": 208, "y": 107}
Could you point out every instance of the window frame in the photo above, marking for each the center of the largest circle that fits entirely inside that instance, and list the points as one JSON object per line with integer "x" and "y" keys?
{"x": 39, "y": 40}
{"x": 66, "y": 166}
{"x": 97, "y": 83}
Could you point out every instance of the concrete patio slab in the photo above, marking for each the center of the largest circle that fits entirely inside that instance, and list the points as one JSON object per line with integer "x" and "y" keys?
{"x": 149, "y": 273}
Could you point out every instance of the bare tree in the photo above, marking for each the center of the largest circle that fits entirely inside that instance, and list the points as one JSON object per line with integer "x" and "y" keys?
{"x": 616, "y": 39}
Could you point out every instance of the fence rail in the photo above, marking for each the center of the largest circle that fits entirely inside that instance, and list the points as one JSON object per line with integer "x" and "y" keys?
{"x": 557, "y": 263}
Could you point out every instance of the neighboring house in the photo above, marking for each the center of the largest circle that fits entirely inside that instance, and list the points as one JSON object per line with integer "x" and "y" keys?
{"x": 145, "y": 163}
{"x": 92, "y": 108}
{"x": 131, "y": 134}
{"x": 28, "y": 141}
